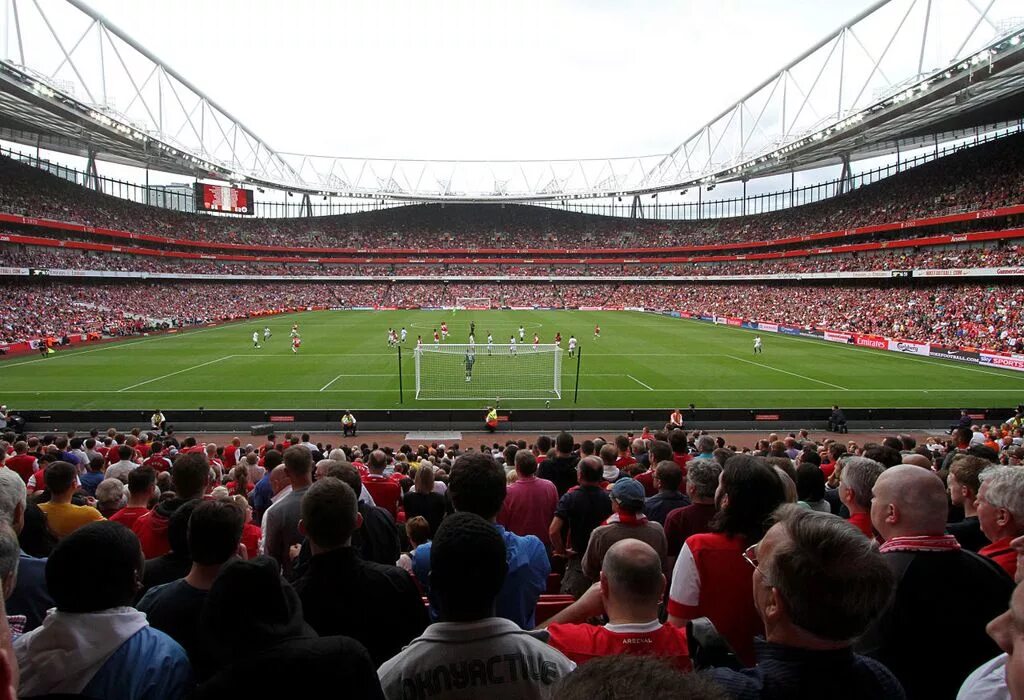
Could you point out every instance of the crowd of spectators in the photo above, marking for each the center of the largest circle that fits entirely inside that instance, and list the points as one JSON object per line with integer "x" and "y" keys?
{"x": 790, "y": 565}
{"x": 982, "y": 177}
{"x": 946, "y": 257}
{"x": 983, "y": 315}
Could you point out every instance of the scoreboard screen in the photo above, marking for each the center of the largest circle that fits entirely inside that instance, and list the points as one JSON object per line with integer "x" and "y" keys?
{"x": 232, "y": 200}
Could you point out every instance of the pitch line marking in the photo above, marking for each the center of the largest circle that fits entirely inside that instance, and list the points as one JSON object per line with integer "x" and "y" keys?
{"x": 582, "y": 390}
{"x": 180, "y": 371}
{"x": 330, "y": 382}
{"x": 792, "y": 374}
{"x": 639, "y": 382}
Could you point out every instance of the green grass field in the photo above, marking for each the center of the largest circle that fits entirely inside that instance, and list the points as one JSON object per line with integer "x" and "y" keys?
{"x": 641, "y": 361}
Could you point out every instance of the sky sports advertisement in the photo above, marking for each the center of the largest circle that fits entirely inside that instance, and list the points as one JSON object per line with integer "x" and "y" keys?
{"x": 224, "y": 199}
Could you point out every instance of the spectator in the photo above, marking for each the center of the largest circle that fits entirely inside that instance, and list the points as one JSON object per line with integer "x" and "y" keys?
{"x": 560, "y": 469}
{"x": 22, "y": 462}
{"x": 818, "y": 585}
{"x": 579, "y": 511}
{"x": 855, "y": 483}
{"x": 658, "y": 452}
{"x": 93, "y": 475}
{"x": 348, "y": 424}
{"x": 530, "y": 501}
{"x": 114, "y": 652}
{"x": 263, "y": 492}
{"x": 62, "y": 515}
{"x": 963, "y": 483}
{"x": 214, "y": 533}
{"x": 281, "y": 530}
{"x": 477, "y": 485}
{"x": 423, "y": 501}
{"x": 618, "y": 678}
{"x": 608, "y": 455}
{"x": 141, "y": 490}
{"x": 417, "y": 530}
{"x": 110, "y": 497}
{"x": 1001, "y": 678}
{"x": 630, "y": 592}
{"x": 680, "y": 449}
{"x": 177, "y": 562}
{"x": 627, "y": 521}
{"x": 710, "y": 577}
{"x": 909, "y": 513}
{"x": 810, "y": 487}
{"x": 254, "y": 619}
{"x": 30, "y": 597}
{"x": 469, "y": 569}
{"x": 390, "y": 612}
{"x": 376, "y": 539}
{"x": 625, "y": 458}
{"x": 701, "y": 484}
{"x": 279, "y": 489}
{"x": 668, "y": 476}
{"x": 124, "y": 466}
{"x": 386, "y": 492}
{"x": 190, "y": 474}
{"x": 1000, "y": 509}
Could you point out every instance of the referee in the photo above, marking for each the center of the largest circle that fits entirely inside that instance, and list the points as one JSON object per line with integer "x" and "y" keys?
{"x": 470, "y": 359}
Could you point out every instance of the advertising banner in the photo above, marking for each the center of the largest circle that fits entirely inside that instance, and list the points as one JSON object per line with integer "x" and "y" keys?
{"x": 838, "y": 337}
{"x": 707, "y": 318}
{"x": 871, "y": 341}
{"x": 731, "y": 321}
{"x": 767, "y": 327}
{"x": 967, "y": 356}
{"x": 750, "y": 325}
{"x": 1004, "y": 361}
{"x": 908, "y": 347}
{"x": 685, "y": 314}
{"x": 789, "y": 330}
{"x": 813, "y": 333}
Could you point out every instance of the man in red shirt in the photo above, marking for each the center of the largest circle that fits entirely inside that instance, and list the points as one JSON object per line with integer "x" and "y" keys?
{"x": 141, "y": 489}
{"x": 22, "y": 462}
{"x": 385, "y": 492}
{"x": 701, "y": 483}
{"x": 530, "y": 502}
{"x": 658, "y": 451}
{"x": 157, "y": 461}
{"x": 1001, "y": 513}
{"x": 631, "y": 588}
{"x": 189, "y": 475}
{"x": 625, "y": 458}
{"x": 855, "y": 483}
{"x": 680, "y": 449}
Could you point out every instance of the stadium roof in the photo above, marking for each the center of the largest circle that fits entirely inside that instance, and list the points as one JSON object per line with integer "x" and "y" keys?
{"x": 902, "y": 74}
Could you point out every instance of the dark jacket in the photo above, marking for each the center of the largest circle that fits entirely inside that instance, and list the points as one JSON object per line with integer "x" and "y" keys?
{"x": 377, "y": 539}
{"x": 377, "y": 605}
{"x": 561, "y": 471}
{"x": 254, "y": 619}
{"x": 913, "y": 633}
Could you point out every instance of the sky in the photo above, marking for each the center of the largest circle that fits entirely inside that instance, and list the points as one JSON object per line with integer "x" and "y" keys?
{"x": 477, "y": 79}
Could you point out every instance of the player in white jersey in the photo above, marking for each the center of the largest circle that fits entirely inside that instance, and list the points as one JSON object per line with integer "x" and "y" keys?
{"x": 472, "y": 343}
{"x": 266, "y": 333}
{"x": 419, "y": 342}
{"x": 391, "y": 337}
{"x": 512, "y": 345}
{"x": 522, "y": 333}
{"x": 536, "y": 342}
{"x": 757, "y": 345}
{"x": 255, "y": 339}
{"x": 572, "y": 345}
{"x": 295, "y": 330}
{"x": 404, "y": 334}
{"x": 490, "y": 343}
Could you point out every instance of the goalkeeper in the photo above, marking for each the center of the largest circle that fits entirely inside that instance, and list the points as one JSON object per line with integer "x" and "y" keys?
{"x": 470, "y": 359}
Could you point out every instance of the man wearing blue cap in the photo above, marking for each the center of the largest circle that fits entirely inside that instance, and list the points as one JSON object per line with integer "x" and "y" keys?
{"x": 627, "y": 521}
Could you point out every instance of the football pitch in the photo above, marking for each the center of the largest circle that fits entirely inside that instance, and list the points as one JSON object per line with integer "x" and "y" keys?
{"x": 640, "y": 361}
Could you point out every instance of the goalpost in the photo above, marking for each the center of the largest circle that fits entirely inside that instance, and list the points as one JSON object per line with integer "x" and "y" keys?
{"x": 442, "y": 372}
{"x": 473, "y": 303}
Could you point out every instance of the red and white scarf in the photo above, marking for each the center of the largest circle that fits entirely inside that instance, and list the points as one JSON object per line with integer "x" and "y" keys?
{"x": 624, "y": 518}
{"x": 921, "y": 543}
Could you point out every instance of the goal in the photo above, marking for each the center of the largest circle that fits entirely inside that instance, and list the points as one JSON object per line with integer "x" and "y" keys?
{"x": 473, "y": 303}
{"x": 441, "y": 372}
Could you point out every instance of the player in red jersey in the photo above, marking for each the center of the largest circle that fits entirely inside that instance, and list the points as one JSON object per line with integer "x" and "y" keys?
{"x": 444, "y": 330}
{"x": 558, "y": 339}
{"x": 597, "y": 332}
{"x": 437, "y": 337}
{"x": 536, "y": 341}
{"x": 296, "y": 343}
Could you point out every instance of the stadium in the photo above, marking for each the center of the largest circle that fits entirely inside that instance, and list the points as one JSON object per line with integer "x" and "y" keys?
{"x": 818, "y": 288}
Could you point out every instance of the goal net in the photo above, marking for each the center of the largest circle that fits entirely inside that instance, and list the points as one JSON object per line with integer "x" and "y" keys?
{"x": 462, "y": 371}
{"x": 473, "y": 303}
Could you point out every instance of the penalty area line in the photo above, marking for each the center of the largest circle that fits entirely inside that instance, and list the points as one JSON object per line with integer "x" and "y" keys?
{"x": 330, "y": 382}
{"x": 792, "y": 374}
{"x": 187, "y": 369}
{"x": 639, "y": 382}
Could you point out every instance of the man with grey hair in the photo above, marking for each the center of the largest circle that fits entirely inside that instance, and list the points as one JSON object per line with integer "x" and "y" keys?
{"x": 817, "y": 585}
{"x": 705, "y": 447}
{"x": 30, "y": 597}
{"x": 10, "y": 555}
{"x": 855, "y": 483}
{"x": 1000, "y": 507}
{"x": 908, "y": 511}
{"x": 629, "y": 593}
{"x": 701, "y": 483}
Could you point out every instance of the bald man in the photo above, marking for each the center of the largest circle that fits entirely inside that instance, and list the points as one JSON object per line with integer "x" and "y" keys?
{"x": 928, "y": 640}
{"x": 631, "y": 588}
{"x": 917, "y": 460}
